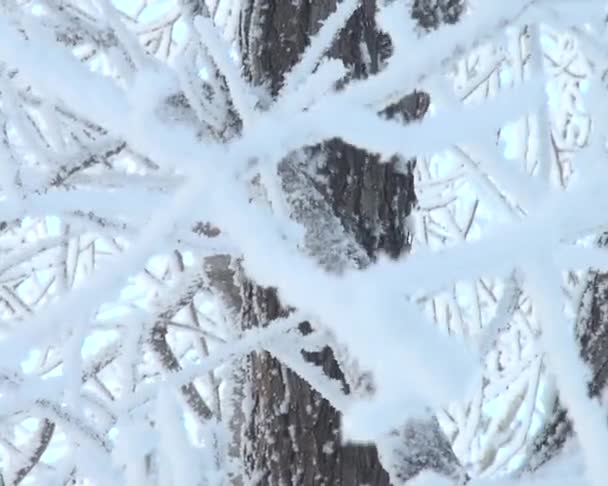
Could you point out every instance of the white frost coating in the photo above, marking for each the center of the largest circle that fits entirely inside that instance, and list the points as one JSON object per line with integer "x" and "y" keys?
{"x": 314, "y": 87}
{"x": 277, "y": 266}
{"x": 430, "y": 479}
{"x": 524, "y": 189}
{"x": 69, "y": 81}
{"x": 439, "y": 47}
{"x": 150, "y": 86}
{"x": 310, "y": 127}
{"x": 133, "y": 443}
{"x": 249, "y": 341}
{"x": 9, "y": 177}
{"x": 330, "y": 389}
{"x": 543, "y": 122}
{"x": 504, "y": 311}
{"x": 379, "y": 329}
{"x": 564, "y": 215}
{"x": 128, "y": 40}
{"x": 108, "y": 99}
{"x": 242, "y": 95}
{"x": 582, "y": 257}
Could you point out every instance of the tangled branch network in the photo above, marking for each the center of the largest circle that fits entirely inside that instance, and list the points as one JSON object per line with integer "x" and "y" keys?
{"x": 130, "y": 140}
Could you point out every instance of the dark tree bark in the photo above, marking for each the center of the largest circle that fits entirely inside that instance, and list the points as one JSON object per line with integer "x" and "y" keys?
{"x": 356, "y": 213}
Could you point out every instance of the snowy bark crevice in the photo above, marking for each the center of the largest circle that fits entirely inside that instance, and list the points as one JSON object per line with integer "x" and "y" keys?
{"x": 418, "y": 446}
{"x": 430, "y": 14}
{"x": 352, "y": 209}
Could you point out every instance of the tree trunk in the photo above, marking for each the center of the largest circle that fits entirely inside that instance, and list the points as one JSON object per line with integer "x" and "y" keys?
{"x": 353, "y": 209}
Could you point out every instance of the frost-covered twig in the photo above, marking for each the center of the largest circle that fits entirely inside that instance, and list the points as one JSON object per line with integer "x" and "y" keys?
{"x": 38, "y": 445}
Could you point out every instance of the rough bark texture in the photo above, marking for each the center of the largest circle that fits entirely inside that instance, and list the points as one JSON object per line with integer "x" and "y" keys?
{"x": 353, "y": 209}
{"x": 293, "y": 433}
{"x": 592, "y": 334}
